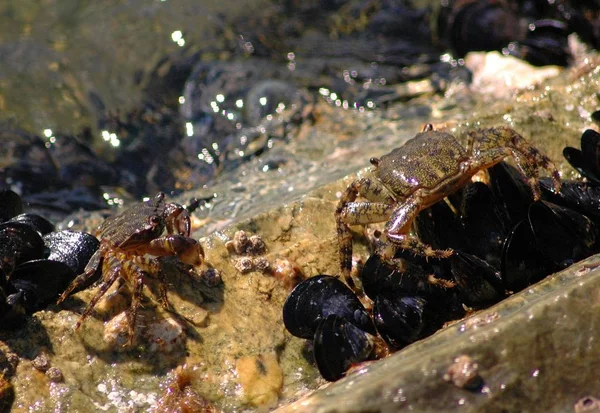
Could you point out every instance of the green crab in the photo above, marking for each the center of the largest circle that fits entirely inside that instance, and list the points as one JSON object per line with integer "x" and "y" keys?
{"x": 423, "y": 171}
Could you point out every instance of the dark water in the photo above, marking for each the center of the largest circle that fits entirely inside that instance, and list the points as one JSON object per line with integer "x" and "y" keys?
{"x": 61, "y": 60}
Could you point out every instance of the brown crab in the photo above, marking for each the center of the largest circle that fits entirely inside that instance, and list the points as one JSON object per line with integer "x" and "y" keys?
{"x": 420, "y": 173}
{"x": 125, "y": 239}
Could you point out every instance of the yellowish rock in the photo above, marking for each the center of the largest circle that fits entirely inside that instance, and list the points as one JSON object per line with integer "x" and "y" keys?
{"x": 261, "y": 378}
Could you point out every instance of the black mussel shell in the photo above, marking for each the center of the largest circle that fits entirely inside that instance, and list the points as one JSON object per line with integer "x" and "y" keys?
{"x": 522, "y": 262}
{"x": 545, "y": 44}
{"x": 475, "y": 26}
{"x": 318, "y": 297}
{"x": 575, "y": 157}
{"x": 41, "y": 282}
{"x": 511, "y": 191}
{"x": 485, "y": 222}
{"x": 413, "y": 275}
{"x": 10, "y": 204}
{"x": 400, "y": 319}
{"x": 18, "y": 243}
{"x": 407, "y": 277}
{"x": 439, "y": 227}
{"x": 338, "y": 344}
{"x": 563, "y": 235}
{"x": 587, "y": 160}
{"x": 37, "y": 222}
{"x": 596, "y": 117}
{"x": 73, "y": 248}
{"x": 590, "y": 150}
{"x": 377, "y": 276}
{"x": 583, "y": 197}
{"x": 477, "y": 281}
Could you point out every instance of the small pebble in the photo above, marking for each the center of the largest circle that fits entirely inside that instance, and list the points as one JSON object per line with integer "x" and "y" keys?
{"x": 262, "y": 264}
{"x": 587, "y": 404}
{"x": 164, "y": 336}
{"x": 116, "y": 332}
{"x": 463, "y": 373}
{"x": 256, "y": 245}
{"x": 244, "y": 265}
{"x": 41, "y": 362}
{"x": 287, "y": 272}
{"x": 211, "y": 277}
{"x": 54, "y": 374}
{"x": 13, "y": 359}
{"x": 240, "y": 241}
{"x": 244, "y": 245}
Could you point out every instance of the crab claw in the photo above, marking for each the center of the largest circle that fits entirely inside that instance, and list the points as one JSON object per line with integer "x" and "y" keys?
{"x": 188, "y": 250}
{"x": 177, "y": 219}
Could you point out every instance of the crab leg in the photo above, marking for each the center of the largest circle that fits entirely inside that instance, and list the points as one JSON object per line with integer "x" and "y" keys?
{"x": 349, "y": 213}
{"x": 150, "y": 267}
{"x": 495, "y": 144}
{"x": 88, "y": 272}
{"x": 138, "y": 286}
{"x": 398, "y": 227}
{"x": 112, "y": 269}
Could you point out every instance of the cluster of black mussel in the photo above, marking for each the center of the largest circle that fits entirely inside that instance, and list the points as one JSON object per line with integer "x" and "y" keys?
{"x": 502, "y": 242}
{"x": 37, "y": 262}
{"x": 533, "y": 30}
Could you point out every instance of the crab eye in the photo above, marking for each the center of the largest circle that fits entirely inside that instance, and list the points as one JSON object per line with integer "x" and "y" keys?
{"x": 154, "y": 220}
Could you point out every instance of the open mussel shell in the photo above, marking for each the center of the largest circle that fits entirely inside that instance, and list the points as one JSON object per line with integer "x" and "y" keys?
{"x": 10, "y": 204}
{"x": 37, "y": 222}
{"x": 18, "y": 243}
{"x": 400, "y": 319}
{"x": 318, "y": 297}
{"x": 563, "y": 235}
{"x": 587, "y": 160}
{"x": 338, "y": 344}
{"x": 73, "y": 248}
{"x": 478, "y": 282}
{"x": 41, "y": 282}
{"x": 522, "y": 262}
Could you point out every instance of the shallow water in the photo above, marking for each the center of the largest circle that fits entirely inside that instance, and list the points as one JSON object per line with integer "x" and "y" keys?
{"x": 61, "y": 60}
